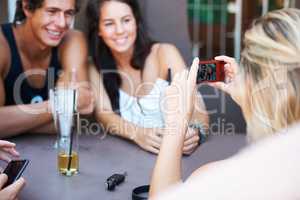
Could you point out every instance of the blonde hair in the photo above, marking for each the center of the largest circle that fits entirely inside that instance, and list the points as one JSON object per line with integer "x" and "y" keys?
{"x": 271, "y": 66}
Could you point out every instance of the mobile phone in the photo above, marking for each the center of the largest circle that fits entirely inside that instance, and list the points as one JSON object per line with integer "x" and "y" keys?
{"x": 14, "y": 170}
{"x": 211, "y": 71}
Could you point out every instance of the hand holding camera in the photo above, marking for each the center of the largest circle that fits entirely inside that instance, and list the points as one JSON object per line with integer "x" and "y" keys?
{"x": 232, "y": 83}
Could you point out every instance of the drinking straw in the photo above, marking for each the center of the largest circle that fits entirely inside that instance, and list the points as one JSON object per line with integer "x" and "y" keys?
{"x": 70, "y": 151}
{"x": 169, "y": 78}
{"x": 73, "y": 86}
{"x": 73, "y": 81}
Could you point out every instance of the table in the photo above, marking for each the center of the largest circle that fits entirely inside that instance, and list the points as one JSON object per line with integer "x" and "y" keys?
{"x": 100, "y": 158}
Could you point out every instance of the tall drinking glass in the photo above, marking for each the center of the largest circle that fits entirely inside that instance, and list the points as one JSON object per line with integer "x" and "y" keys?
{"x": 67, "y": 122}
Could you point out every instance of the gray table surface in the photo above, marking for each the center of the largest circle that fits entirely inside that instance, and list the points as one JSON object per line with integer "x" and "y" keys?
{"x": 100, "y": 158}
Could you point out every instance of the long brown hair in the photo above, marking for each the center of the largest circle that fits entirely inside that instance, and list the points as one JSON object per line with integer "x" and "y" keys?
{"x": 102, "y": 55}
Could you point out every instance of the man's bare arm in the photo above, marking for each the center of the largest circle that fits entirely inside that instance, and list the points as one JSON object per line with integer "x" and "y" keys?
{"x": 72, "y": 55}
{"x": 20, "y": 118}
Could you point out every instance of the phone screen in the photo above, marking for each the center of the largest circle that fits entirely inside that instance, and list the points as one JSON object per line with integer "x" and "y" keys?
{"x": 14, "y": 170}
{"x": 207, "y": 72}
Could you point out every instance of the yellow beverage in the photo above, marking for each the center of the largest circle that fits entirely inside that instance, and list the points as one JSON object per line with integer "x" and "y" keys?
{"x": 63, "y": 161}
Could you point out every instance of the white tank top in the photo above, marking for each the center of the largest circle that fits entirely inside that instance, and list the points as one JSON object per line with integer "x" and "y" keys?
{"x": 145, "y": 111}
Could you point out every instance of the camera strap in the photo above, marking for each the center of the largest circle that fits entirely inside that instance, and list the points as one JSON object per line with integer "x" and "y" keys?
{"x": 138, "y": 193}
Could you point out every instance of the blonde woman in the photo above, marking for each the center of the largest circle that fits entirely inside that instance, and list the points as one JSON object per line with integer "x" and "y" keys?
{"x": 266, "y": 86}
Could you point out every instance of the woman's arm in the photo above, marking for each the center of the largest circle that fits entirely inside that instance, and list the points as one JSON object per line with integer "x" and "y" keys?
{"x": 179, "y": 106}
{"x": 167, "y": 170}
{"x": 169, "y": 57}
{"x": 146, "y": 138}
{"x": 199, "y": 118}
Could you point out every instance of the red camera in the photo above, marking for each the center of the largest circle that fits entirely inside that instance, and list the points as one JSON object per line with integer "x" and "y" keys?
{"x": 211, "y": 71}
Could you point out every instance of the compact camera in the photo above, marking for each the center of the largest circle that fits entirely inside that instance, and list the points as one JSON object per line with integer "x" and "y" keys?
{"x": 211, "y": 71}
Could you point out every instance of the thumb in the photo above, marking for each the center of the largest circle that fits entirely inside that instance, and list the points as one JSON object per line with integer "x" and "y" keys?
{"x": 16, "y": 187}
{"x": 3, "y": 180}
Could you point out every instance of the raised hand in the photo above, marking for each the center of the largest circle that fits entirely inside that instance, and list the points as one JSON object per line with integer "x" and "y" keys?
{"x": 179, "y": 96}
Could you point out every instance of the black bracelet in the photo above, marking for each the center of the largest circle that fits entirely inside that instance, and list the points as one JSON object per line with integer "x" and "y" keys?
{"x": 140, "y": 193}
{"x": 201, "y": 132}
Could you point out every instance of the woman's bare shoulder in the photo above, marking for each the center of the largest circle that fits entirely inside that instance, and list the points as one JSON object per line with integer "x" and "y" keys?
{"x": 203, "y": 169}
{"x": 162, "y": 48}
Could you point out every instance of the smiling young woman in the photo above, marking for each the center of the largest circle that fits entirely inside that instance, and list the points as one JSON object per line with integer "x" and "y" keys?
{"x": 131, "y": 75}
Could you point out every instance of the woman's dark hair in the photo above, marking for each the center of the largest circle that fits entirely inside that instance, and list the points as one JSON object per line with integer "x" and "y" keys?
{"x": 102, "y": 55}
{"x": 32, "y": 6}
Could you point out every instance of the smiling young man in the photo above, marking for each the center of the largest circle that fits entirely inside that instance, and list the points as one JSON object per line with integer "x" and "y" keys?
{"x": 38, "y": 51}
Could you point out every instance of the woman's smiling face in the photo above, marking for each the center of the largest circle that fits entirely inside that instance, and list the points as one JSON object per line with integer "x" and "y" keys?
{"x": 117, "y": 26}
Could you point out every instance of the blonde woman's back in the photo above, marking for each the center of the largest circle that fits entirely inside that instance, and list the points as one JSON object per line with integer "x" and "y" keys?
{"x": 267, "y": 170}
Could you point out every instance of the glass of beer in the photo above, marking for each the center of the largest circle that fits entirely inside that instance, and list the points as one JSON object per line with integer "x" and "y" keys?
{"x": 67, "y": 123}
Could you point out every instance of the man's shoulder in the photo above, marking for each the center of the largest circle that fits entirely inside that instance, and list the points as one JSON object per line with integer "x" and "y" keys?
{"x": 73, "y": 39}
{"x": 4, "y": 53}
{"x": 3, "y": 40}
{"x": 72, "y": 36}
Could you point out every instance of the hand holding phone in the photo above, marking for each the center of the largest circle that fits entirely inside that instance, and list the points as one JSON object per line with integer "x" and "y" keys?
{"x": 12, "y": 191}
{"x": 211, "y": 71}
{"x": 14, "y": 170}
